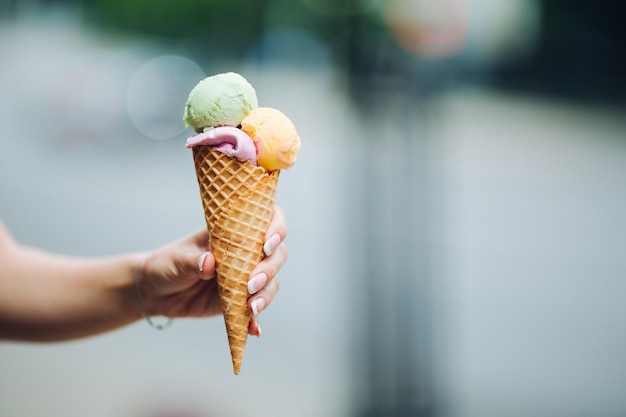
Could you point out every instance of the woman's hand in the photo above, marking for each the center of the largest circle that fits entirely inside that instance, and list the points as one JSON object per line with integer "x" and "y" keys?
{"x": 178, "y": 280}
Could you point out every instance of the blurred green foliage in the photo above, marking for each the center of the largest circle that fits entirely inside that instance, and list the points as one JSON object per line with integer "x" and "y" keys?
{"x": 229, "y": 26}
{"x": 233, "y": 21}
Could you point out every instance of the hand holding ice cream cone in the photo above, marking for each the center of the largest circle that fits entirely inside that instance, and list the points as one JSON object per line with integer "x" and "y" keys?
{"x": 179, "y": 279}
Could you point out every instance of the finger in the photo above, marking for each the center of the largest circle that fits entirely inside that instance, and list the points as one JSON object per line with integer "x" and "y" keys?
{"x": 276, "y": 232}
{"x": 254, "y": 328}
{"x": 206, "y": 265}
{"x": 187, "y": 257}
{"x": 257, "y": 282}
{"x": 191, "y": 264}
{"x": 263, "y": 298}
{"x": 267, "y": 269}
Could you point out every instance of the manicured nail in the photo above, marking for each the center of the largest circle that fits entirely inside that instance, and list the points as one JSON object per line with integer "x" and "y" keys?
{"x": 201, "y": 262}
{"x": 256, "y": 283}
{"x": 258, "y": 330}
{"x": 257, "y": 306}
{"x": 272, "y": 243}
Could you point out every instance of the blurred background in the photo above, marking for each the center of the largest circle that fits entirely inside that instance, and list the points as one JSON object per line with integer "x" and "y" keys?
{"x": 457, "y": 231}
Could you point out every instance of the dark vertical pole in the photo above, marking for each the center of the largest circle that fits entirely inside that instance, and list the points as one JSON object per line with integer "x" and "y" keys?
{"x": 392, "y": 335}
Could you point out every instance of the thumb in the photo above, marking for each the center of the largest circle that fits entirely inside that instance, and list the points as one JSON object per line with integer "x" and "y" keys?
{"x": 191, "y": 265}
{"x": 206, "y": 265}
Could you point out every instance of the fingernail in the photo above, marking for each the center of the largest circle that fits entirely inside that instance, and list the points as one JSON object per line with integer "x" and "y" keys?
{"x": 201, "y": 262}
{"x": 258, "y": 330}
{"x": 257, "y": 306}
{"x": 272, "y": 243}
{"x": 256, "y": 283}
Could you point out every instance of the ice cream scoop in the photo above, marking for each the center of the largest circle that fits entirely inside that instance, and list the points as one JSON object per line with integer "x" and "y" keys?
{"x": 220, "y": 100}
{"x": 275, "y": 137}
{"x": 229, "y": 140}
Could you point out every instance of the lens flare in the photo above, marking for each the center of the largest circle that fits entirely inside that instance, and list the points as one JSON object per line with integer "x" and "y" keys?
{"x": 430, "y": 29}
{"x": 157, "y": 93}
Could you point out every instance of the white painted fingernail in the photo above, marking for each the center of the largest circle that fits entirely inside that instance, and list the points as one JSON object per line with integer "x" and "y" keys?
{"x": 256, "y": 283}
{"x": 201, "y": 262}
{"x": 258, "y": 329}
{"x": 272, "y": 243}
{"x": 257, "y": 306}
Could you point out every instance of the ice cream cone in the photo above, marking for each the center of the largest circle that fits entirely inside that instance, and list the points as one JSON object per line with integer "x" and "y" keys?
{"x": 238, "y": 201}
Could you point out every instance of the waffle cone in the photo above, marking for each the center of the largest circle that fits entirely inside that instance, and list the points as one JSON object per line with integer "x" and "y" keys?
{"x": 238, "y": 201}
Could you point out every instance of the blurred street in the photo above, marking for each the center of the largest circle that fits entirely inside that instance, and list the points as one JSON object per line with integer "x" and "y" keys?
{"x": 525, "y": 197}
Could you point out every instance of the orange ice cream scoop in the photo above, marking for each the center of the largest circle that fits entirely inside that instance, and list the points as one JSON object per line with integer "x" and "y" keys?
{"x": 275, "y": 137}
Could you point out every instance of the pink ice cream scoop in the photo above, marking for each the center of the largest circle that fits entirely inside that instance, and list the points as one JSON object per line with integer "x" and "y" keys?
{"x": 229, "y": 140}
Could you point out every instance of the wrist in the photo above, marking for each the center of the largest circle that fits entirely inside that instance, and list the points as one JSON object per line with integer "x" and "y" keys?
{"x": 127, "y": 288}
{"x": 146, "y": 305}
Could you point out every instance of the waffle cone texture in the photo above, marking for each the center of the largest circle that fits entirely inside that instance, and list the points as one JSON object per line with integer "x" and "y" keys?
{"x": 238, "y": 202}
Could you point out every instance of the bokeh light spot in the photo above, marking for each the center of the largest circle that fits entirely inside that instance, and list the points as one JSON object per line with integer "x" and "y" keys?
{"x": 157, "y": 95}
{"x": 430, "y": 29}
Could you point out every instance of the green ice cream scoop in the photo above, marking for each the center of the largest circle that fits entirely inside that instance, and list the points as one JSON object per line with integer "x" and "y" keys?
{"x": 219, "y": 100}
